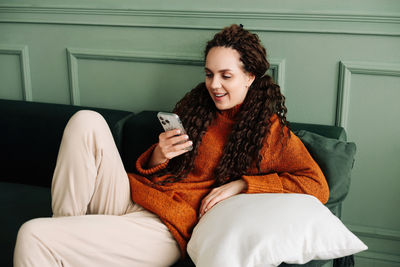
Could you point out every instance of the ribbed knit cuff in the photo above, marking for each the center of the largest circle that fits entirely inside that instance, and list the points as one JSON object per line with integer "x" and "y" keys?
{"x": 144, "y": 159}
{"x": 269, "y": 183}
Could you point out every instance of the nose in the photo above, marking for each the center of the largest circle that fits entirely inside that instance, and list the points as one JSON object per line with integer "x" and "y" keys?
{"x": 215, "y": 83}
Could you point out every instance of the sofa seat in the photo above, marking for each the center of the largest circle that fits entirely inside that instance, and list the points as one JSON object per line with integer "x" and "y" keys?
{"x": 18, "y": 204}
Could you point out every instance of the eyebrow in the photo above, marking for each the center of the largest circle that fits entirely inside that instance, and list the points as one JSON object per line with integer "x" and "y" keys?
{"x": 223, "y": 70}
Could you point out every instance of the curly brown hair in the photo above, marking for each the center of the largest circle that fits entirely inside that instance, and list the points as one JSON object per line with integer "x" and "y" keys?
{"x": 264, "y": 98}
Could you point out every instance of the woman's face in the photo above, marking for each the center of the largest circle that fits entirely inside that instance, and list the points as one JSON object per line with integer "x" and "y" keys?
{"x": 226, "y": 81}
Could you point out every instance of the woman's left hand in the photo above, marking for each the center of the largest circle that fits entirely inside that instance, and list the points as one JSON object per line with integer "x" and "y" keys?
{"x": 220, "y": 193}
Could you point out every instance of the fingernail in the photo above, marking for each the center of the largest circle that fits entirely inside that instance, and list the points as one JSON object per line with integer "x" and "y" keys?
{"x": 186, "y": 136}
{"x": 190, "y": 143}
{"x": 178, "y": 131}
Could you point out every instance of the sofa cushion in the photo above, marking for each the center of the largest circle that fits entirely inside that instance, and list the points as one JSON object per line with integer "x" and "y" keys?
{"x": 139, "y": 132}
{"x": 335, "y": 132}
{"x": 268, "y": 229}
{"x": 336, "y": 159}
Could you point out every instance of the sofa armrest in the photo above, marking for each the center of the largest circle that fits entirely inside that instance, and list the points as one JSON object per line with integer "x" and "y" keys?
{"x": 30, "y": 136}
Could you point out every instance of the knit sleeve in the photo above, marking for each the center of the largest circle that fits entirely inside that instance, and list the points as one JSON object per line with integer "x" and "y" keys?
{"x": 142, "y": 161}
{"x": 287, "y": 169}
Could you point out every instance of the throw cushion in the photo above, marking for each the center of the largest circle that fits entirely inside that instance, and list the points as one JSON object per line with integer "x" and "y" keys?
{"x": 336, "y": 159}
{"x": 268, "y": 229}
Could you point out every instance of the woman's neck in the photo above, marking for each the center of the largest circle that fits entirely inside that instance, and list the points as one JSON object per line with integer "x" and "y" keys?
{"x": 232, "y": 112}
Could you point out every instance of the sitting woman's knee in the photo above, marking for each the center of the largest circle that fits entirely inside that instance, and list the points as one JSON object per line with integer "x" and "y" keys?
{"x": 30, "y": 231}
{"x": 84, "y": 120}
{"x": 87, "y": 116}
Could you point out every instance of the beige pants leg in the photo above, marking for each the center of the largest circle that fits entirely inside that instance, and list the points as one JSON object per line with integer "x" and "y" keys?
{"x": 90, "y": 179}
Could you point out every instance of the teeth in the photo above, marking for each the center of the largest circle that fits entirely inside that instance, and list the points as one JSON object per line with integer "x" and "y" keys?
{"x": 218, "y": 95}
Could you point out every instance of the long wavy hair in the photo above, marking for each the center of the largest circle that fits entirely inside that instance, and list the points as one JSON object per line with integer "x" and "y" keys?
{"x": 264, "y": 98}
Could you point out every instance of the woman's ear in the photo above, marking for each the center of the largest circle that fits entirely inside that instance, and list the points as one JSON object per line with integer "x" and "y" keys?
{"x": 250, "y": 79}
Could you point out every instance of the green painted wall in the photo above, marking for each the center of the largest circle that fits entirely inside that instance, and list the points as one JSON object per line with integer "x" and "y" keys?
{"x": 337, "y": 62}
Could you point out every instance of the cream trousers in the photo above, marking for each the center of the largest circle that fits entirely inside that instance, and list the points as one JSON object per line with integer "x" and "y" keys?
{"x": 94, "y": 223}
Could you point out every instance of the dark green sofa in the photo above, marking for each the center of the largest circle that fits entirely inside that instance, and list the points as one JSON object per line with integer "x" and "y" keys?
{"x": 29, "y": 139}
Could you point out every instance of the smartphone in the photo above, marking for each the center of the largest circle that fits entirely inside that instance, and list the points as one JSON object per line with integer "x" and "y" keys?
{"x": 170, "y": 121}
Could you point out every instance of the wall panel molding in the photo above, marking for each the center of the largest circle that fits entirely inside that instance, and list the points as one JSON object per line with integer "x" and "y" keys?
{"x": 278, "y": 69}
{"x": 374, "y": 232}
{"x": 346, "y": 69}
{"x": 277, "y": 21}
{"x": 73, "y": 54}
{"x": 384, "y": 236}
{"x": 22, "y": 52}
{"x": 382, "y": 241}
{"x": 379, "y": 257}
{"x": 277, "y": 66}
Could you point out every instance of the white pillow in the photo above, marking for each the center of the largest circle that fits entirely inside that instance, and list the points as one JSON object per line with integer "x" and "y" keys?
{"x": 268, "y": 229}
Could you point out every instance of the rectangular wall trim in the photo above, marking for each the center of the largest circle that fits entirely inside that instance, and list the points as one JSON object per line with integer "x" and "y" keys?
{"x": 22, "y": 52}
{"x": 346, "y": 69}
{"x": 73, "y": 54}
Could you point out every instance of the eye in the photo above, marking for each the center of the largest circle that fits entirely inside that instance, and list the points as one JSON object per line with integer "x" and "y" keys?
{"x": 208, "y": 75}
{"x": 226, "y": 77}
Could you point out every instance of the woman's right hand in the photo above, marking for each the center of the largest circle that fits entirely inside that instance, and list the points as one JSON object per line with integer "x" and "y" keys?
{"x": 170, "y": 144}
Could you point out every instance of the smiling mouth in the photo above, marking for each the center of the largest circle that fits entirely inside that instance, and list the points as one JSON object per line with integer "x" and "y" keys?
{"x": 219, "y": 96}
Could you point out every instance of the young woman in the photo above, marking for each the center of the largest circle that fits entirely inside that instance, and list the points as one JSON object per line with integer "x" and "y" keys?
{"x": 236, "y": 124}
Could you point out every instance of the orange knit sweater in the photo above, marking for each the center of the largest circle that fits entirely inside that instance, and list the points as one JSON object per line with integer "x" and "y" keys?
{"x": 291, "y": 170}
